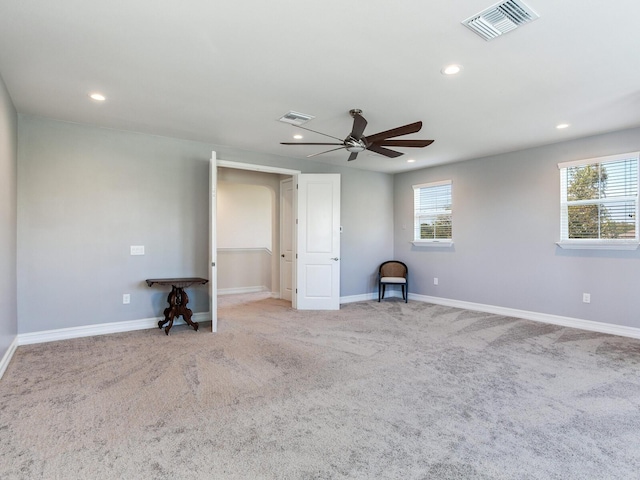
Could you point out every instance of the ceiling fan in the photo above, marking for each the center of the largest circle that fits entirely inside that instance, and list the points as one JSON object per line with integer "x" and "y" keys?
{"x": 356, "y": 142}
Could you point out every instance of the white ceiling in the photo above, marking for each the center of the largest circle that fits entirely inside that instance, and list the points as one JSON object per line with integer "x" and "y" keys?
{"x": 224, "y": 71}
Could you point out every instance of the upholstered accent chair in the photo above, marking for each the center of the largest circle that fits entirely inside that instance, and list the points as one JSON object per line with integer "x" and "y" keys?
{"x": 393, "y": 273}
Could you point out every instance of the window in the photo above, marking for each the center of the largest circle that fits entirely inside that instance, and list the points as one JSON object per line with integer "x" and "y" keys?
{"x": 599, "y": 202}
{"x": 432, "y": 213}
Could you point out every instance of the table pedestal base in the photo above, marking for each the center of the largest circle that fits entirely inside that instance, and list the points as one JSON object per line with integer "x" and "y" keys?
{"x": 178, "y": 300}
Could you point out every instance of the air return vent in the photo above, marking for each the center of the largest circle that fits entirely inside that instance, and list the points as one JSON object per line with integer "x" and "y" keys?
{"x": 500, "y": 19}
{"x": 295, "y": 118}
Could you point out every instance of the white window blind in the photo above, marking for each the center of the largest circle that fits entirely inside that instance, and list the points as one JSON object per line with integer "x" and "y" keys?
{"x": 432, "y": 212}
{"x": 599, "y": 200}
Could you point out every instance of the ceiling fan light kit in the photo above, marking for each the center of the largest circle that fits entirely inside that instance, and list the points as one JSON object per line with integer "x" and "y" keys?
{"x": 357, "y": 142}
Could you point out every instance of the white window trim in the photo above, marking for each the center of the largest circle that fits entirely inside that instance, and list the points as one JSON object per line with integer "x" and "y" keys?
{"x": 588, "y": 244}
{"x": 443, "y": 243}
{"x": 591, "y": 161}
{"x": 436, "y": 242}
{"x": 600, "y": 244}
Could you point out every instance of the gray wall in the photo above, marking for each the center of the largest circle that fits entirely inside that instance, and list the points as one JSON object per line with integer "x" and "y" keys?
{"x": 8, "y": 209}
{"x": 241, "y": 270}
{"x": 85, "y": 194}
{"x": 506, "y": 220}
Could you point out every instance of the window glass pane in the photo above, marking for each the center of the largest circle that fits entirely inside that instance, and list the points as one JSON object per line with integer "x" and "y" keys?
{"x": 435, "y": 227}
{"x": 600, "y": 200}
{"x": 618, "y": 220}
{"x": 620, "y": 179}
{"x": 432, "y": 211}
{"x": 583, "y": 183}
{"x": 583, "y": 221}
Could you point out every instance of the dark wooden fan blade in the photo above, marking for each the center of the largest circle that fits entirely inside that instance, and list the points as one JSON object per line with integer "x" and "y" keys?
{"x": 359, "y": 124}
{"x": 404, "y": 143}
{"x": 384, "y": 151}
{"x": 395, "y": 132}
{"x": 353, "y": 156}
{"x": 300, "y": 143}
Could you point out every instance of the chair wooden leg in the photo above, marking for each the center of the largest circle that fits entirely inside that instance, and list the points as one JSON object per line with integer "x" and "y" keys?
{"x": 379, "y": 291}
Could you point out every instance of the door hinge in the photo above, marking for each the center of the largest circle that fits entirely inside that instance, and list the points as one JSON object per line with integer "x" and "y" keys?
{"x": 213, "y": 264}
{"x": 296, "y": 221}
{"x": 296, "y": 290}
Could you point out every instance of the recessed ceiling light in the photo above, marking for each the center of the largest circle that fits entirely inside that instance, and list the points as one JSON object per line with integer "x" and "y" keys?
{"x": 98, "y": 97}
{"x": 560, "y": 126}
{"x": 411, "y": 160}
{"x": 298, "y": 137}
{"x": 451, "y": 69}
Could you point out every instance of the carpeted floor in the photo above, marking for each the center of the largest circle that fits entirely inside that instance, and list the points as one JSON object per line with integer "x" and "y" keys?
{"x": 374, "y": 391}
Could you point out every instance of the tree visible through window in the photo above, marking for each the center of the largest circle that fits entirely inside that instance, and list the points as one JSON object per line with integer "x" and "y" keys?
{"x": 599, "y": 199}
{"x": 432, "y": 211}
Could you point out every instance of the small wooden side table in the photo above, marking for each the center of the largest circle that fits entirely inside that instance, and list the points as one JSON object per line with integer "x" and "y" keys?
{"x": 177, "y": 299}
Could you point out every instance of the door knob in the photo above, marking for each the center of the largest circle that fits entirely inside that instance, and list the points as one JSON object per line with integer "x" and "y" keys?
{"x": 282, "y": 255}
{"x": 335, "y": 259}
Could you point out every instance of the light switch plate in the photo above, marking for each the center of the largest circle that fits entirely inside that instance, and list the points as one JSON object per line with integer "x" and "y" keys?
{"x": 137, "y": 249}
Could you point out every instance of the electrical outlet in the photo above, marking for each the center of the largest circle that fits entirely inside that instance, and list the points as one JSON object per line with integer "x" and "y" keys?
{"x": 435, "y": 280}
{"x": 586, "y": 298}
{"x": 126, "y": 298}
{"x": 137, "y": 249}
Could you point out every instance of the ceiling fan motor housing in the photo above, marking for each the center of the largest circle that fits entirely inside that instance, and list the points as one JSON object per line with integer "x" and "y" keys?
{"x": 354, "y": 145}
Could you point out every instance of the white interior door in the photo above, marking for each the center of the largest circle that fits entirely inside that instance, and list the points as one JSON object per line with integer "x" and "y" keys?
{"x": 286, "y": 239}
{"x": 213, "y": 245}
{"x": 318, "y": 242}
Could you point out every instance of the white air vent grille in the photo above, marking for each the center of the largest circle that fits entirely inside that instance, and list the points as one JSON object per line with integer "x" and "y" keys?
{"x": 295, "y": 118}
{"x": 500, "y": 19}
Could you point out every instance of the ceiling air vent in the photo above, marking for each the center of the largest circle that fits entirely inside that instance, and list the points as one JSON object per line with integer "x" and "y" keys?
{"x": 500, "y": 19}
{"x": 295, "y": 118}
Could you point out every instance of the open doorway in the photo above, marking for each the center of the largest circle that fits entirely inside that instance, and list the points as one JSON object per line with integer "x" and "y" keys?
{"x": 316, "y": 271}
{"x": 248, "y": 233}
{"x": 214, "y": 166}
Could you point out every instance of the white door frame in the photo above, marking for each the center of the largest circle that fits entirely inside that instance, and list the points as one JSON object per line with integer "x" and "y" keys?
{"x": 213, "y": 243}
{"x": 286, "y": 258}
{"x": 213, "y": 215}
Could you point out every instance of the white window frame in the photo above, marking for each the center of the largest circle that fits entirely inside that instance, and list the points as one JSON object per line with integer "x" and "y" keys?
{"x": 436, "y": 242}
{"x": 603, "y": 243}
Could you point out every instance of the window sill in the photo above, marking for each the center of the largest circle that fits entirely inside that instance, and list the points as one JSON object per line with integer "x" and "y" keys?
{"x": 433, "y": 243}
{"x": 597, "y": 245}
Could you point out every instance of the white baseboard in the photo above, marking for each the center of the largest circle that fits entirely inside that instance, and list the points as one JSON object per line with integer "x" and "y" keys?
{"x": 240, "y": 290}
{"x": 148, "y": 323}
{"x": 6, "y": 359}
{"x": 590, "y": 325}
{"x": 101, "y": 329}
{"x": 571, "y": 322}
{"x": 361, "y": 298}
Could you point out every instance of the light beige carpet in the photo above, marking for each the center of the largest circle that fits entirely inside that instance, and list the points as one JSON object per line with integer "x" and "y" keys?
{"x": 375, "y": 391}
